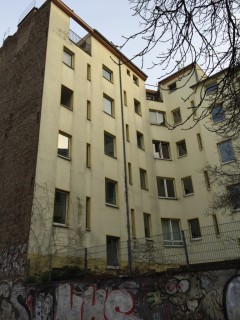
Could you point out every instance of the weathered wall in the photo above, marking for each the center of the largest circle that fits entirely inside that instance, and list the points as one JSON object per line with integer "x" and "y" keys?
{"x": 22, "y": 63}
{"x": 212, "y": 295}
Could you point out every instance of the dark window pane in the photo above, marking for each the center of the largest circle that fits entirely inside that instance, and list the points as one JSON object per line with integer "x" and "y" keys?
{"x": 60, "y": 207}
{"x": 170, "y": 188}
{"x": 112, "y": 251}
{"x": 161, "y": 188}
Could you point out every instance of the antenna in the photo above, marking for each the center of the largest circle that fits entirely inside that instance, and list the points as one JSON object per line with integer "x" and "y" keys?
{"x": 27, "y": 10}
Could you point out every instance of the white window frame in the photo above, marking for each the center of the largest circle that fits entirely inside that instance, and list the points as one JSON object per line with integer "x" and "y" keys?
{"x": 166, "y": 188}
{"x": 68, "y": 57}
{"x": 106, "y": 109}
{"x": 61, "y": 154}
{"x": 172, "y": 242}
{"x": 160, "y": 117}
{"x": 160, "y": 155}
{"x": 107, "y": 73}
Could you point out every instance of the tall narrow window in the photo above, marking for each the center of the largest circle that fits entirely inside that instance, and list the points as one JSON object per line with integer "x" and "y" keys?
{"x": 177, "y": 118}
{"x": 110, "y": 192}
{"x": 66, "y": 97}
{"x": 88, "y": 110}
{"x": 187, "y": 186}
{"x": 137, "y": 107}
{"x": 89, "y": 72}
{"x": 129, "y": 173}
{"x": 147, "y": 224}
{"x": 207, "y": 181}
{"x": 112, "y": 251}
{"x": 199, "y": 139}
{"x": 108, "y": 105}
{"x": 63, "y": 145}
{"x": 88, "y": 155}
{"x": 181, "y": 148}
{"x": 215, "y": 223}
{"x": 218, "y": 114}
{"x": 143, "y": 179}
{"x": 60, "y": 207}
{"x": 140, "y": 141}
{"x": 125, "y": 98}
{"x": 133, "y": 223}
{"x": 195, "y": 231}
{"x": 234, "y": 192}
{"x": 88, "y": 213}
{"x": 68, "y": 57}
{"x": 109, "y": 144}
{"x": 127, "y": 133}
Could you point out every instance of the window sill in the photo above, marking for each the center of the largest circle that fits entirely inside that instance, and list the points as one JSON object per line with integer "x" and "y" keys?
{"x": 184, "y": 155}
{"x": 113, "y": 267}
{"x": 62, "y": 157}
{"x": 173, "y": 245}
{"x": 162, "y": 159}
{"x": 109, "y": 114}
{"x": 236, "y": 210}
{"x": 55, "y": 224}
{"x": 141, "y": 148}
{"x": 139, "y": 114}
{"x": 112, "y": 205}
{"x": 109, "y": 155}
{"x": 166, "y": 198}
{"x": 108, "y": 80}
{"x": 71, "y": 67}
{"x": 188, "y": 195}
{"x": 158, "y": 124}
{"x": 196, "y": 239}
{"x": 223, "y": 163}
{"x": 66, "y": 107}
{"x": 88, "y": 229}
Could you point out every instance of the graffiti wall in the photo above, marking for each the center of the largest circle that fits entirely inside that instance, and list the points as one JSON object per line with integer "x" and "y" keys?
{"x": 213, "y": 295}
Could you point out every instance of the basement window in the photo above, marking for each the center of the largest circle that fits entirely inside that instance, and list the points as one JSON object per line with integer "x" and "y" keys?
{"x": 66, "y": 97}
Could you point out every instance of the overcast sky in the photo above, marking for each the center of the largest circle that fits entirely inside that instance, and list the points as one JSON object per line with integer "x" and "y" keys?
{"x": 113, "y": 18}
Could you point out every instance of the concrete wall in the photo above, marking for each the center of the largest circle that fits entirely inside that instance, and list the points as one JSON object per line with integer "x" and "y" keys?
{"x": 209, "y": 295}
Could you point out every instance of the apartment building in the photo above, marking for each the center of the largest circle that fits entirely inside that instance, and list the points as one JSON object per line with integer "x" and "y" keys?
{"x": 87, "y": 158}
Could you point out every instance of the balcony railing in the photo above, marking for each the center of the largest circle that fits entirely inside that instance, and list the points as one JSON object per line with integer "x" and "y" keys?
{"x": 80, "y": 42}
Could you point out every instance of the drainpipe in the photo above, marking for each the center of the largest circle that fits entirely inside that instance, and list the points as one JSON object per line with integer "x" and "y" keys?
{"x": 125, "y": 174}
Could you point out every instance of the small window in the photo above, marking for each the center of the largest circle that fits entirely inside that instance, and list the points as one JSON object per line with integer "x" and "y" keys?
{"x": 147, "y": 225}
{"x": 125, "y": 98}
{"x": 140, "y": 140}
{"x": 109, "y": 144}
{"x": 64, "y": 145}
{"x": 194, "y": 110}
{"x": 143, "y": 179}
{"x": 112, "y": 251}
{"x": 211, "y": 88}
{"x": 171, "y": 232}
{"x": 88, "y": 110}
{"x": 218, "y": 114}
{"x": 216, "y": 226}
{"x": 133, "y": 223}
{"x": 89, "y": 72}
{"x": 234, "y": 192}
{"x": 129, "y": 173}
{"x": 88, "y": 213}
{"x": 187, "y": 186}
{"x": 110, "y": 192}
{"x": 135, "y": 80}
{"x": 137, "y": 107}
{"x": 68, "y": 57}
{"x": 107, "y": 74}
{"x": 172, "y": 87}
{"x": 195, "y": 231}
{"x": 161, "y": 150}
{"x": 128, "y": 72}
{"x": 127, "y": 133}
{"x": 199, "y": 140}
{"x": 226, "y": 151}
{"x": 207, "y": 181}
{"x": 181, "y": 148}
{"x": 66, "y": 97}
{"x": 166, "y": 188}
{"x": 88, "y": 155}
{"x": 60, "y": 207}
{"x": 157, "y": 118}
{"x": 108, "y": 105}
{"x": 177, "y": 118}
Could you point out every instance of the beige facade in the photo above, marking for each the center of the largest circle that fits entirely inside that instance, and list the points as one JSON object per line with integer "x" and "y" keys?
{"x": 80, "y": 193}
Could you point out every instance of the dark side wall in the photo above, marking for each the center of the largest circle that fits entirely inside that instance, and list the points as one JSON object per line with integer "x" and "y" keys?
{"x": 22, "y": 63}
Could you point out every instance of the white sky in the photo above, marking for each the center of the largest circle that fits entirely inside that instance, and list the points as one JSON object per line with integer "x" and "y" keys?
{"x": 113, "y": 18}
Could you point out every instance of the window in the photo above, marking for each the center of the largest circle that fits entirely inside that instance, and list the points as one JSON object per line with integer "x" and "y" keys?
{"x": 128, "y": 72}
{"x": 187, "y": 186}
{"x": 218, "y": 114}
{"x": 135, "y": 80}
{"x": 181, "y": 148}
{"x": 127, "y": 133}
{"x": 143, "y": 179}
{"x": 88, "y": 211}
{"x": 133, "y": 223}
{"x": 64, "y": 145}
{"x": 110, "y": 192}
{"x": 195, "y": 231}
{"x": 88, "y": 110}
{"x": 171, "y": 232}
{"x": 66, "y": 97}
{"x": 140, "y": 141}
{"x": 166, "y": 188}
{"x": 129, "y": 173}
{"x": 107, "y": 74}
{"x": 210, "y": 88}
{"x": 112, "y": 251}
{"x": 207, "y": 181}
{"x": 88, "y": 156}
{"x": 89, "y": 72}
{"x": 216, "y": 226}
{"x": 60, "y": 207}
{"x": 172, "y": 87}
{"x": 226, "y": 151}
{"x": 147, "y": 224}
{"x": 109, "y": 144}
{"x": 234, "y": 192}
{"x": 68, "y": 57}
{"x": 161, "y": 150}
{"x": 177, "y": 118}
{"x": 137, "y": 107}
{"x": 157, "y": 117}
{"x": 199, "y": 139}
{"x": 108, "y": 105}
{"x": 125, "y": 98}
